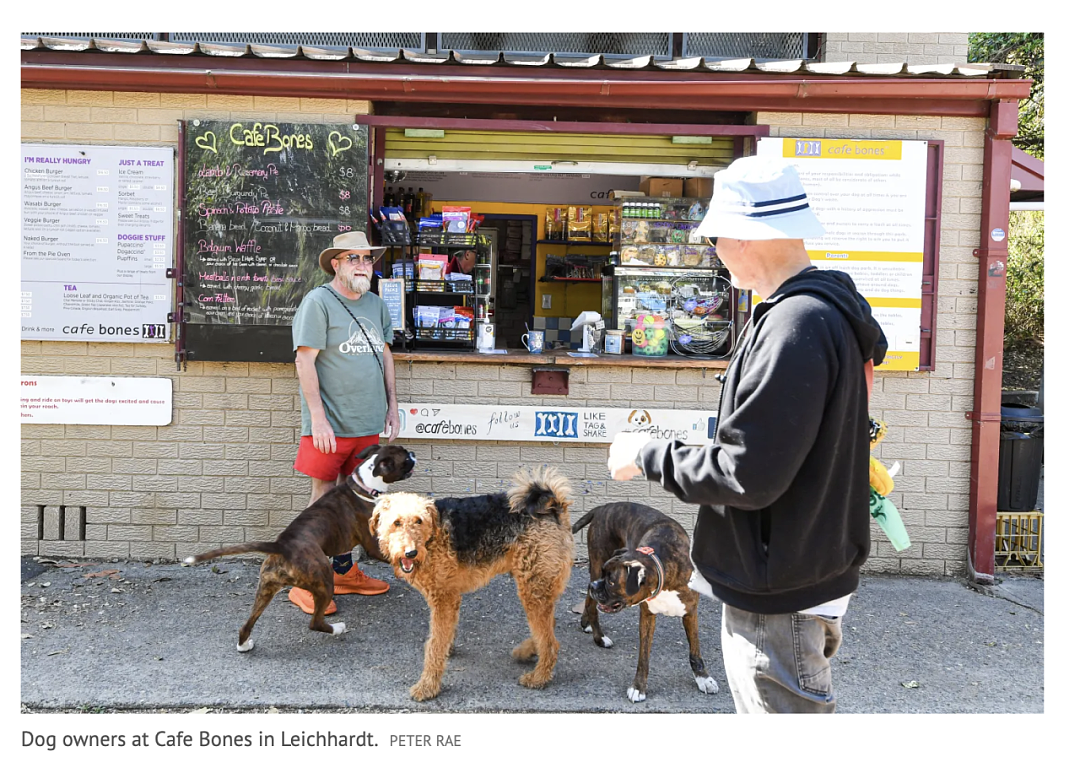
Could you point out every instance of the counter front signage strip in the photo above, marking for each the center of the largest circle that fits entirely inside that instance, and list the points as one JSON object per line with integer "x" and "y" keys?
{"x": 260, "y": 201}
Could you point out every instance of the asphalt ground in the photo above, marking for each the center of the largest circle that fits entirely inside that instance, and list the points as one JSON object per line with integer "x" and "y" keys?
{"x": 124, "y": 636}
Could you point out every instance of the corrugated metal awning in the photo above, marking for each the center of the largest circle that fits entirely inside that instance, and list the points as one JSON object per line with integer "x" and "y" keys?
{"x": 502, "y": 60}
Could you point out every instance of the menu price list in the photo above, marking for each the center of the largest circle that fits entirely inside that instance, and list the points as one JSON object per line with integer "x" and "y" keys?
{"x": 261, "y": 201}
{"x": 97, "y": 238}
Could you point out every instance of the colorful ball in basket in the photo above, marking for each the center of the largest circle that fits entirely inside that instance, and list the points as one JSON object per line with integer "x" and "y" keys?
{"x": 650, "y": 336}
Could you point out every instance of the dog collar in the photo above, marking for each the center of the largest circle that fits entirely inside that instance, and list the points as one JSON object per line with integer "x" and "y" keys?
{"x": 364, "y": 494}
{"x": 659, "y": 568}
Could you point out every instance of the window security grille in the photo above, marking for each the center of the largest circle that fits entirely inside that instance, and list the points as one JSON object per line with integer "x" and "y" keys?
{"x": 98, "y": 35}
{"x": 366, "y": 40}
{"x": 785, "y": 46}
{"x": 612, "y": 44}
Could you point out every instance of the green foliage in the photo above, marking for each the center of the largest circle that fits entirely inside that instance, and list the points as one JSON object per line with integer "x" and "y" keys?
{"x": 1024, "y": 281}
{"x": 1026, "y": 49}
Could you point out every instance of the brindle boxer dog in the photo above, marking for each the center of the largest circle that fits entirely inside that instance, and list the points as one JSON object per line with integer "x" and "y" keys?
{"x": 333, "y": 524}
{"x": 637, "y": 555}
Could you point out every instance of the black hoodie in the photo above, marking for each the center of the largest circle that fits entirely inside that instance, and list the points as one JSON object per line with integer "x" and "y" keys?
{"x": 784, "y": 523}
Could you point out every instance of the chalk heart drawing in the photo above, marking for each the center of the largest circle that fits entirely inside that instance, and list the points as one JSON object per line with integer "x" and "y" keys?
{"x": 342, "y": 143}
{"x": 207, "y": 141}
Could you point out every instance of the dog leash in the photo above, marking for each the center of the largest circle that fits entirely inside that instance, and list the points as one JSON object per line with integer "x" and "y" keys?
{"x": 659, "y": 568}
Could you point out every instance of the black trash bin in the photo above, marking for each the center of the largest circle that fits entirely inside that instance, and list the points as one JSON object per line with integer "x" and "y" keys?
{"x": 1019, "y": 457}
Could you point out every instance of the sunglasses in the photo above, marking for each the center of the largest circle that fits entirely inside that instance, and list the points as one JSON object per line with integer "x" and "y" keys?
{"x": 352, "y": 259}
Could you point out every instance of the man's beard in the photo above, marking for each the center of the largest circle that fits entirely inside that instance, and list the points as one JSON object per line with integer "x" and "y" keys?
{"x": 359, "y": 284}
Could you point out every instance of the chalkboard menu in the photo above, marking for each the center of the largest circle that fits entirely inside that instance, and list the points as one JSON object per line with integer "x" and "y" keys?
{"x": 260, "y": 201}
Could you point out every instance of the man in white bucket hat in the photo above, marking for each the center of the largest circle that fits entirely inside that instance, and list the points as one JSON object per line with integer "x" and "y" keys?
{"x": 342, "y": 335}
{"x": 784, "y": 522}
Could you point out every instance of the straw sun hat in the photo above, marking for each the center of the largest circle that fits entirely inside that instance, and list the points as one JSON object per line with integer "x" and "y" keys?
{"x": 354, "y": 240}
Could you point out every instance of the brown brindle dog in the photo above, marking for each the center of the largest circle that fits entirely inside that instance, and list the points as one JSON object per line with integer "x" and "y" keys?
{"x": 640, "y": 557}
{"x": 452, "y": 546}
{"x": 333, "y": 524}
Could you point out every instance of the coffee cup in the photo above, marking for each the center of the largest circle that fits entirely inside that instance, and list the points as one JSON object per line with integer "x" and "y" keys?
{"x": 534, "y": 340}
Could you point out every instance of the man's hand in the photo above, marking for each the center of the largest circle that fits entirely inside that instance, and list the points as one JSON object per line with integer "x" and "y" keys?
{"x": 393, "y": 425}
{"x": 322, "y": 436}
{"x": 623, "y": 452}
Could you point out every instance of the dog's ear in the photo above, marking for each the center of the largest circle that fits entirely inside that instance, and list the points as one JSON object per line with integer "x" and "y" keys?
{"x": 367, "y": 452}
{"x": 373, "y": 522}
{"x": 635, "y": 575}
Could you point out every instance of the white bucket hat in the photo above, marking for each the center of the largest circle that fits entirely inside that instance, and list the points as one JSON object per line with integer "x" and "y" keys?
{"x": 354, "y": 240}
{"x": 758, "y": 198}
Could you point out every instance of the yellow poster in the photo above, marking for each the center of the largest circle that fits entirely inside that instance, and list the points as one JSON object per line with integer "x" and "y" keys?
{"x": 870, "y": 196}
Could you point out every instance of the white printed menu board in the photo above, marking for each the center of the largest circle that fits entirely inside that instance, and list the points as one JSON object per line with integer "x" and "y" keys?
{"x": 97, "y": 237}
{"x": 870, "y": 196}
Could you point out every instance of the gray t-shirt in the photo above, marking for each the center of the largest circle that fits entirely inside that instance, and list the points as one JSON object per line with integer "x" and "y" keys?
{"x": 351, "y": 381}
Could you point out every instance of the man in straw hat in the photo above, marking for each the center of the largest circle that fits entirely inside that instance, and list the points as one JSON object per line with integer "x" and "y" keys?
{"x": 342, "y": 336}
{"x": 783, "y": 524}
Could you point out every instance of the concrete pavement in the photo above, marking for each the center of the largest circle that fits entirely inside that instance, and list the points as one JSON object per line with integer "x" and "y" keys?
{"x": 143, "y": 637}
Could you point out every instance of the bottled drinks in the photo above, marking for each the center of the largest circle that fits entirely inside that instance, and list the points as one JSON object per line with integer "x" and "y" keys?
{"x": 408, "y": 205}
{"x": 418, "y": 204}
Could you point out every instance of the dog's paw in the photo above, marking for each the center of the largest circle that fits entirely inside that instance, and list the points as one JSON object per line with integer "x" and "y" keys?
{"x": 246, "y": 646}
{"x": 531, "y": 680}
{"x": 707, "y": 685}
{"x": 424, "y": 690}
{"x": 339, "y": 628}
{"x": 635, "y": 695}
{"x": 606, "y": 642}
{"x": 586, "y": 628}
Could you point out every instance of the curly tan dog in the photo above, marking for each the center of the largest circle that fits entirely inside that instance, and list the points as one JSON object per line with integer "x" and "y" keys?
{"x": 446, "y": 548}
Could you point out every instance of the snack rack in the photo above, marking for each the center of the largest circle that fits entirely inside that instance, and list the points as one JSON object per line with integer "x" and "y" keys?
{"x": 475, "y": 292}
{"x": 664, "y": 268}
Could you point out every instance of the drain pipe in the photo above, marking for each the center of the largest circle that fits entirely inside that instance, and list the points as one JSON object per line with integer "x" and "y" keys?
{"x": 985, "y": 416}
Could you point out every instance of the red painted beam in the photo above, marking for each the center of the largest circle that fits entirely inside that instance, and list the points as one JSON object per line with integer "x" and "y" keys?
{"x": 863, "y": 95}
{"x": 989, "y": 339}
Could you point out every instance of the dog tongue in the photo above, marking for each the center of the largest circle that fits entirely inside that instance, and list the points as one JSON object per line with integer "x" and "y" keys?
{"x": 406, "y": 565}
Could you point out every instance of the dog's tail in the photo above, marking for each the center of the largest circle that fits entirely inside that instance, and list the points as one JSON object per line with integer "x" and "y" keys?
{"x": 232, "y": 550}
{"x": 541, "y": 492}
{"x": 583, "y": 521}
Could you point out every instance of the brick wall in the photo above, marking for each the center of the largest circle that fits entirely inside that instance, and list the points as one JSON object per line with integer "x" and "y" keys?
{"x": 222, "y": 471}
{"x": 890, "y": 47}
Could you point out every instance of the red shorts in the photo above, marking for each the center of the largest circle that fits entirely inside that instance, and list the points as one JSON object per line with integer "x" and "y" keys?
{"x": 328, "y": 466}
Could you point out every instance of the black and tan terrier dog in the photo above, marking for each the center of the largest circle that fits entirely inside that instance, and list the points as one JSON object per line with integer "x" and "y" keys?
{"x": 452, "y": 546}
{"x": 334, "y": 524}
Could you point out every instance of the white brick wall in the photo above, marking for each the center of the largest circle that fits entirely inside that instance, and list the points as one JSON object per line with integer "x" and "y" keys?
{"x": 222, "y": 471}
{"x": 891, "y": 47}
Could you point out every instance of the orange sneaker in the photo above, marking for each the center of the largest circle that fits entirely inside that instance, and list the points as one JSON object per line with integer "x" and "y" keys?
{"x": 355, "y": 581}
{"x": 306, "y": 601}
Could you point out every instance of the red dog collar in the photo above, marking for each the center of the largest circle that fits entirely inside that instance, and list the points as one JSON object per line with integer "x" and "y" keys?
{"x": 659, "y": 568}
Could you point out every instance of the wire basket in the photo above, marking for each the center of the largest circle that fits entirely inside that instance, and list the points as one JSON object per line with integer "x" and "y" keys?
{"x": 700, "y": 337}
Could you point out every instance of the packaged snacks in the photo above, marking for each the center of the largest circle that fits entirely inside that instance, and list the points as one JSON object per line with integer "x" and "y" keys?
{"x": 647, "y": 254}
{"x": 629, "y": 254}
{"x": 601, "y": 230}
{"x": 691, "y": 256}
{"x": 674, "y": 255}
{"x": 640, "y": 233}
{"x": 627, "y": 229}
{"x": 430, "y": 269}
{"x": 456, "y": 219}
{"x": 555, "y": 223}
{"x": 579, "y": 223}
{"x": 660, "y": 232}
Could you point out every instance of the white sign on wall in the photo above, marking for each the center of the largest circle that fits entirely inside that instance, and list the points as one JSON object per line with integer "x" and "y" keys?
{"x": 98, "y": 401}
{"x": 97, "y": 238}
{"x": 870, "y": 196}
{"x": 513, "y": 423}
